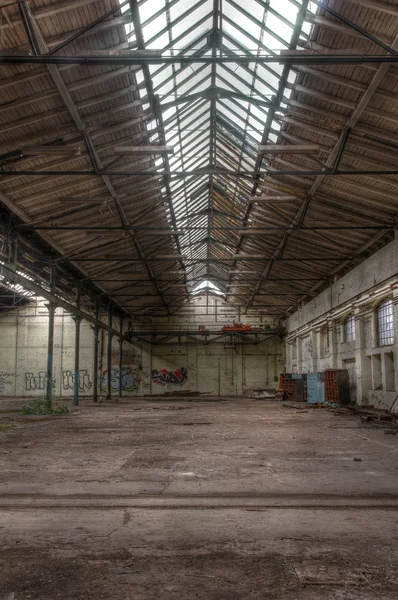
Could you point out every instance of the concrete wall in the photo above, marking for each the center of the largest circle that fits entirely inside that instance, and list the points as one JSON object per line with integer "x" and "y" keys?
{"x": 315, "y": 333}
{"x": 147, "y": 369}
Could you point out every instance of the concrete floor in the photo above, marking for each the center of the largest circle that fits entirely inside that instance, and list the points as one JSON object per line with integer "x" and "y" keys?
{"x": 179, "y": 499}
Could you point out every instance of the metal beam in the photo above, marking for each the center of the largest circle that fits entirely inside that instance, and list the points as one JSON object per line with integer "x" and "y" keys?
{"x": 288, "y": 148}
{"x": 28, "y": 27}
{"x": 98, "y": 168}
{"x": 52, "y": 297}
{"x": 354, "y": 26}
{"x": 154, "y": 149}
{"x": 214, "y": 92}
{"x": 334, "y": 156}
{"x": 101, "y": 228}
{"x": 195, "y": 333}
{"x": 327, "y": 172}
{"x": 84, "y": 30}
{"x": 378, "y": 6}
{"x": 157, "y": 110}
{"x": 300, "y": 58}
{"x": 214, "y": 260}
{"x": 273, "y": 199}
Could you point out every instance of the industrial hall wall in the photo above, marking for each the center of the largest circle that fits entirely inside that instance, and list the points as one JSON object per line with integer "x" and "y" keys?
{"x": 353, "y": 325}
{"x": 146, "y": 369}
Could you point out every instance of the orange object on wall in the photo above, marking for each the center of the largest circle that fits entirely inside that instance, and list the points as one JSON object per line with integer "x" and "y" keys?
{"x": 237, "y": 327}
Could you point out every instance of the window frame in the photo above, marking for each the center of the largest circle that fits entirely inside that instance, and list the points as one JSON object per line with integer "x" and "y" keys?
{"x": 385, "y": 323}
{"x": 349, "y": 329}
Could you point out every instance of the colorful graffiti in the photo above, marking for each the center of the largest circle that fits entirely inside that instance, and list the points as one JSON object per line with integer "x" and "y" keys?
{"x": 130, "y": 380}
{"x": 68, "y": 380}
{"x": 164, "y": 377}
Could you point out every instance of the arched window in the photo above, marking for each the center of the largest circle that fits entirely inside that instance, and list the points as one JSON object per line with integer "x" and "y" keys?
{"x": 385, "y": 323}
{"x": 349, "y": 329}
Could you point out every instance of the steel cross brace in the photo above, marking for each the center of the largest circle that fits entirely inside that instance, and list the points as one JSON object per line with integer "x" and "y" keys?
{"x": 40, "y": 291}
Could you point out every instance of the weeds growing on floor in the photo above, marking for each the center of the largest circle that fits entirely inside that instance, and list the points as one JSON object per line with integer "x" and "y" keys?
{"x": 5, "y": 426}
{"x": 45, "y": 406}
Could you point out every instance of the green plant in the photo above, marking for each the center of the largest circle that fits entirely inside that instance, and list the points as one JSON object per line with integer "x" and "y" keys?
{"x": 5, "y": 426}
{"x": 44, "y": 406}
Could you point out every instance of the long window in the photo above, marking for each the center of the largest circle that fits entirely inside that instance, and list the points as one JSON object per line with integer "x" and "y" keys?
{"x": 349, "y": 329}
{"x": 385, "y": 323}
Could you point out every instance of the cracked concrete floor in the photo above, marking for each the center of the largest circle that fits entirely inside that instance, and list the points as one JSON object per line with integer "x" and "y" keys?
{"x": 196, "y": 499}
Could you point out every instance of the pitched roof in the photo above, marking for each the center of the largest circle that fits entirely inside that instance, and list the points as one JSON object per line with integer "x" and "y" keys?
{"x": 191, "y": 216}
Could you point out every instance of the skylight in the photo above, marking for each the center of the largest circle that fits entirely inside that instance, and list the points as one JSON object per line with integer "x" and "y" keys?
{"x": 15, "y": 287}
{"x": 207, "y": 285}
{"x": 214, "y": 114}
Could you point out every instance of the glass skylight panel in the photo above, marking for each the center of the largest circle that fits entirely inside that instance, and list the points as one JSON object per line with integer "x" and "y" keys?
{"x": 183, "y": 27}
{"x": 195, "y": 143}
{"x": 149, "y": 8}
{"x": 207, "y": 284}
{"x": 191, "y": 16}
{"x": 192, "y": 39}
{"x": 278, "y": 26}
{"x": 226, "y": 78}
{"x": 189, "y": 71}
{"x": 236, "y": 16}
{"x": 159, "y": 78}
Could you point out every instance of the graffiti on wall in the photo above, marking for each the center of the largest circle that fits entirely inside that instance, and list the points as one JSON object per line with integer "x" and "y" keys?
{"x": 308, "y": 347}
{"x": 35, "y": 382}
{"x": 68, "y": 380}
{"x": 38, "y": 381}
{"x": 326, "y": 341}
{"x": 164, "y": 377}
{"x": 5, "y": 379}
{"x": 130, "y": 380}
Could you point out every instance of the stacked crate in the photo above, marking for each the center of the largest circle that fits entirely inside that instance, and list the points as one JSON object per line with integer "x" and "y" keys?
{"x": 315, "y": 388}
{"x": 331, "y": 389}
{"x": 292, "y": 387}
{"x": 337, "y": 388}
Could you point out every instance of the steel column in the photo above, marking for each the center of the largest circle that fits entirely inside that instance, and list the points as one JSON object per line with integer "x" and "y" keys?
{"x": 51, "y": 306}
{"x": 96, "y": 330}
{"x": 109, "y": 355}
{"x": 77, "y": 354}
{"x": 121, "y": 358}
{"x": 27, "y": 284}
{"x": 14, "y": 251}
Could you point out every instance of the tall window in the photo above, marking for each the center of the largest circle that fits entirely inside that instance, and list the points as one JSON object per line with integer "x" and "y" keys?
{"x": 349, "y": 329}
{"x": 385, "y": 323}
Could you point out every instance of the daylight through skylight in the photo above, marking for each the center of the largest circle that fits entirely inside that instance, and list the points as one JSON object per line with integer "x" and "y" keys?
{"x": 215, "y": 115}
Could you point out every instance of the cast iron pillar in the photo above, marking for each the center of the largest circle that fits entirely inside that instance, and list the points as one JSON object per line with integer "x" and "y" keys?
{"x": 14, "y": 251}
{"x": 109, "y": 356}
{"x": 51, "y": 306}
{"x": 121, "y": 358}
{"x": 96, "y": 330}
{"x": 77, "y": 353}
